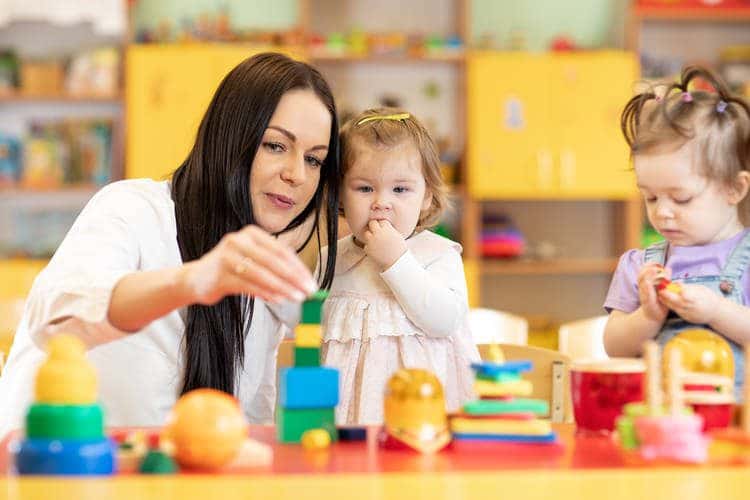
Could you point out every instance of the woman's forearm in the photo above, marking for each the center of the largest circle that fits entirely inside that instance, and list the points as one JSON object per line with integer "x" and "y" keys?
{"x": 142, "y": 297}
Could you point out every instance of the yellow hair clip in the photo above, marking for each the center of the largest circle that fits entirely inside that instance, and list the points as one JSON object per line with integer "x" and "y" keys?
{"x": 396, "y": 117}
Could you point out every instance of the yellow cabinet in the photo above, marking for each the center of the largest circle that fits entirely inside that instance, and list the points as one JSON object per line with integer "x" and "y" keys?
{"x": 547, "y": 125}
{"x": 168, "y": 90}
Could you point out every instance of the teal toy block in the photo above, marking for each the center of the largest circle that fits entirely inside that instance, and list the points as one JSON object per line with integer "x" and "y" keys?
{"x": 291, "y": 424}
{"x": 306, "y": 356}
{"x": 312, "y": 308}
{"x": 308, "y": 387}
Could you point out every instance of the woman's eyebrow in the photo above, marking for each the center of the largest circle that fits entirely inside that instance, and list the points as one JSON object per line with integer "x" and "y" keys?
{"x": 293, "y": 137}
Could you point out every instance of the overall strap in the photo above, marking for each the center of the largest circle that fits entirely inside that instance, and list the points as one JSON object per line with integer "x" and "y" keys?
{"x": 737, "y": 261}
{"x": 656, "y": 253}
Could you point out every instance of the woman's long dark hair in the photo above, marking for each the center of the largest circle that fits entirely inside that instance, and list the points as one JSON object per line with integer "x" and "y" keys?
{"x": 211, "y": 196}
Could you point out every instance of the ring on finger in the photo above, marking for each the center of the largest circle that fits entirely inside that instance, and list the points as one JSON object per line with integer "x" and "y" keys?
{"x": 243, "y": 266}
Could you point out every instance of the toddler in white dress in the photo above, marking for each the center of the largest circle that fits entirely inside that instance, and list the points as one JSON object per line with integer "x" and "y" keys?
{"x": 398, "y": 297}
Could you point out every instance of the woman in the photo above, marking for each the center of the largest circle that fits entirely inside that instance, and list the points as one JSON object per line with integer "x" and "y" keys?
{"x": 179, "y": 284}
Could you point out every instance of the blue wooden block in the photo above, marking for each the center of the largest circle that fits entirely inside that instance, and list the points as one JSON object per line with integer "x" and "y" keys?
{"x": 308, "y": 387}
{"x": 509, "y": 438}
{"x": 492, "y": 369}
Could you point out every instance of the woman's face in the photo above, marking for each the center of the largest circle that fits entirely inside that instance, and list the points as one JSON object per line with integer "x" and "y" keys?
{"x": 286, "y": 168}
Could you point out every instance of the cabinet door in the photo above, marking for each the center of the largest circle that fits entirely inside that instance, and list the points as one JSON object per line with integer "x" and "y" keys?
{"x": 588, "y": 92}
{"x": 508, "y": 145}
{"x": 168, "y": 90}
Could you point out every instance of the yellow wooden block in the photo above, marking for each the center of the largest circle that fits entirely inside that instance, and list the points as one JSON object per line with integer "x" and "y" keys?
{"x": 510, "y": 388}
{"x": 307, "y": 335}
{"x": 500, "y": 426}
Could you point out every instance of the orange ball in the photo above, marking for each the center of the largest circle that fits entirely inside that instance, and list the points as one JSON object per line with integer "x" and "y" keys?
{"x": 207, "y": 428}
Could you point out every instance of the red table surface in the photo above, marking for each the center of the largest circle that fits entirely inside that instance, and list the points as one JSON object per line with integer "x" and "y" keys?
{"x": 573, "y": 452}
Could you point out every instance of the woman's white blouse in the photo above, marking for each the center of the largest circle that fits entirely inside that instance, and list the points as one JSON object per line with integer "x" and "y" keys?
{"x": 127, "y": 226}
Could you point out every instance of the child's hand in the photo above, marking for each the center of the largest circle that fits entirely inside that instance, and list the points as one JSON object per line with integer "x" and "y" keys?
{"x": 647, "y": 280}
{"x": 383, "y": 243}
{"x": 695, "y": 303}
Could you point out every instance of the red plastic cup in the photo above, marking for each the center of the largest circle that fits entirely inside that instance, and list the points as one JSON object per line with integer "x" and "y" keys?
{"x": 601, "y": 388}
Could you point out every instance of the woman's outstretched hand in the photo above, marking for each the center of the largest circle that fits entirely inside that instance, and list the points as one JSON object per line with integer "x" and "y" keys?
{"x": 252, "y": 262}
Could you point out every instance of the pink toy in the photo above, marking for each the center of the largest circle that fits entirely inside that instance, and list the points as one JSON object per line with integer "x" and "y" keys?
{"x": 675, "y": 436}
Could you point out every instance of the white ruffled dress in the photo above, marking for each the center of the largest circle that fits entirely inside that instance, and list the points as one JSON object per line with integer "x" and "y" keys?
{"x": 413, "y": 315}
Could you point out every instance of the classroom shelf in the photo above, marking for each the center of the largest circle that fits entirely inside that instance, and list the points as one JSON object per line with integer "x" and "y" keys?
{"x": 548, "y": 267}
{"x": 716, "y": 14}
{"x": 348, "y": 58}
{"x": 15, "y": 97}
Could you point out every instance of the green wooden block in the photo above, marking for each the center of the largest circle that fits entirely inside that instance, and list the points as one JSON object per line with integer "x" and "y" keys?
{"x": 312, "y": 308}
{"x": 306, "y": 356}
{"x": 515, "y": 405}
{"x": 291, "y": 424}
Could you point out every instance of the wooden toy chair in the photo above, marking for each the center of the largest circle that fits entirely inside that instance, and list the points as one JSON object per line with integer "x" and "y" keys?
{"x": 583, "y": 339}
{"x": 492, "y": 326}
{"x": 550, "y": 376}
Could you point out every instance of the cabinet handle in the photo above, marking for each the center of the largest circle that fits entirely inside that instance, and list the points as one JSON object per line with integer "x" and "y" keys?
{"x": 544, "y": 167}
{"x": 567, "y": 168}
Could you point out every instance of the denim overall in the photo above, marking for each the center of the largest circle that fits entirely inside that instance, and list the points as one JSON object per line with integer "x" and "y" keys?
{"x": 727, "y": 284}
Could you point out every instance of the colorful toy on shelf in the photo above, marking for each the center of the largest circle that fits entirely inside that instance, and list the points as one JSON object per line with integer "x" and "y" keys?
{"x": 10, "y": 161}
{"x": 414, "y": 412}
{"x": 501, "y": 238}
{"x": 501, "y": 415}
{"x": 65, "y": 425}
{"x": 308, "y": 392}
{"x": 206, "y": 428}
{"x": 670, "y": 433}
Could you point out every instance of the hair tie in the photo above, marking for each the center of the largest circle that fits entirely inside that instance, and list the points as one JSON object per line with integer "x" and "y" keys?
{"x": 721, "y": 106}
{"x": 687, "y": 97}
{"x": 396, "y": 117}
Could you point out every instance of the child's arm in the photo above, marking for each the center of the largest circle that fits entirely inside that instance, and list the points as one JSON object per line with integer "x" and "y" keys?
{"x": 625, "y": 332}
{"x": 697, "y": 304}
{"x": 433, "y": 298}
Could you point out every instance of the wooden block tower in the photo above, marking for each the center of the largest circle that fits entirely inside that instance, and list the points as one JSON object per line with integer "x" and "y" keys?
{"x": 308, "y": 392}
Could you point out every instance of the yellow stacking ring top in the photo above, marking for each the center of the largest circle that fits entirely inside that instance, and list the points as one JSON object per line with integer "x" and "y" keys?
{"x": 66, "y": 377}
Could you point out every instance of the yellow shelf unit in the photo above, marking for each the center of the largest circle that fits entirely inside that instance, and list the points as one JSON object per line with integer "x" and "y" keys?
{"x": 17, "y": 276}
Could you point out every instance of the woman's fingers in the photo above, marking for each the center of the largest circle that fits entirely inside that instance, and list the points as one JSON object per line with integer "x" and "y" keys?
{"x": 274, "y": 258}
{"x": 253, "y": 275}
{"x": 240, "y": 285}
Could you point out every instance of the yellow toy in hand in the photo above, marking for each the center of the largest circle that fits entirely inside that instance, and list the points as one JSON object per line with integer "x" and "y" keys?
{"x": 66, "y": 377}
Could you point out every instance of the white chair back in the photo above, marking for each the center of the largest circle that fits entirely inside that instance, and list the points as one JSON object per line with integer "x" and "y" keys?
{"x": 583, "y": 339}
{"x": 489, "y": 326}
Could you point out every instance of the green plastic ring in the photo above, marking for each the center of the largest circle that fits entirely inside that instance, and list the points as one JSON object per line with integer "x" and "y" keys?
{"x": 65, "y": 421}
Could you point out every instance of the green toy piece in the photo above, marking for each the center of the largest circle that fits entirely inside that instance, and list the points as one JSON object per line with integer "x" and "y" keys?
{"x": 306, "y": 356}
{"x": 157, "y": 462}
{"x": 312, "y": 308}
{"x": 516, "y": 405}
{"x": 291, "y": 424}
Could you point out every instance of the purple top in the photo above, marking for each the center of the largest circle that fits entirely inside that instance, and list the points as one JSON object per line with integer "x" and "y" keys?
{"x": 706, "y": 260}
